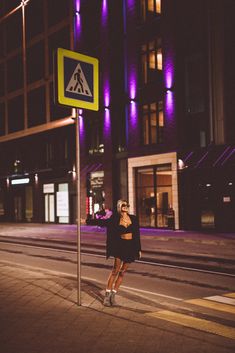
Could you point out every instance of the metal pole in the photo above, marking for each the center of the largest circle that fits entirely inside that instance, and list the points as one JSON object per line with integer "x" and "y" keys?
{"x": 78, "y": 210}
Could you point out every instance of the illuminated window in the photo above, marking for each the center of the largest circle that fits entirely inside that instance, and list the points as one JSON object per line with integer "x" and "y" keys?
{"x": 159, "y": 59}
{"x": 151, "y": 60}
{"x": 150, "y": 8}
{"x": 153, "y": 123}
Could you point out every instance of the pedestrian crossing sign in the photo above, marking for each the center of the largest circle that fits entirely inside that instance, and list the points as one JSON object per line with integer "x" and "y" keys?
{"x": 77, "y": 80}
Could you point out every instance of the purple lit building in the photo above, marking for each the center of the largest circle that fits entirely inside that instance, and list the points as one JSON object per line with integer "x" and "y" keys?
{"x": 164, "y": 135}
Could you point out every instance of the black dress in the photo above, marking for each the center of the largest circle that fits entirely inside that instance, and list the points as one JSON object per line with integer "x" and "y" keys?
{"x": 126, "y": 250}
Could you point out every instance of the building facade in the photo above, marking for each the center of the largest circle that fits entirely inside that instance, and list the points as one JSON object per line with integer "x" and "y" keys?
{"x": 163, "y": 137}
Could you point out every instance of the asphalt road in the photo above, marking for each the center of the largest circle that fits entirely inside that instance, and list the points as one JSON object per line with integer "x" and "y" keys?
{"x": 200, "y": 301}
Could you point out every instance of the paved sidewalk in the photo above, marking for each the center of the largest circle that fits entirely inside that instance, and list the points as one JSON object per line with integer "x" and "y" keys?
{"x": 38, "y": 313}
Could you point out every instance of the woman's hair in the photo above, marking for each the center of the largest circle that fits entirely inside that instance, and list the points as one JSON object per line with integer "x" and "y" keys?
{"x": 119, "y": 205}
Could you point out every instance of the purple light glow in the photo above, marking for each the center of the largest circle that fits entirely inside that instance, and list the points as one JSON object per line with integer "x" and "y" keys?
{"x": 130, "y": 3}
{"x": 77, "y": 20}
{"x": 107, "y": 124}
{"x": 168, "y": 72}
{"x": 106, "y": 91}
{"x": 133, "y": 115}
{"x": 169, "y": 105}
{"x": 81, "y": 128}
{"x": 132, "y": 85}
{"x": 77, "y": 5}
{"x": 228, "y": 156}
{"x": 104, "y": 12}
{"x": 221, "y": 156}
{"x": 201, "y": 159}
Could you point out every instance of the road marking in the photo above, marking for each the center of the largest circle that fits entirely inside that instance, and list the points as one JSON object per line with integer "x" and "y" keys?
{"x": 125, "y": 288}
{"x": 230, "y": 295}
{"x": 212, "y": 305}
{"x": 195, "y": 323}
{"x": 133, "y": 290}
{"x": 158, "y": 264}
{"x": 220, "y": 299}
{"x": 185, "y": 268}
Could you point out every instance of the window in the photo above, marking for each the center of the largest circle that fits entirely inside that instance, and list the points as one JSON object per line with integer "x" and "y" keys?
{"x": 14, "y": 73}
{"x": 49, "y": 153}
{"x": 150, "y": 8}
{"x": 14, "y": 37}
{"x": 16, "y": 114}
{"x": 10, "y": 5}
{"x": 2, "y": 80}
{"x": 2, "y": 119}
{"x": 1, "y": 41}
{"x": 151, "y": 60}
{"x": 57, "y": 111}
{"x": 35, "y": 62}
{"x": 60, "y": 39}
{"x": 36, "y": 107}
{"x": 95, "y": 138}
{"x": 34, "y": 18}
{"x": 194, "y": 84}
{"x": 153, "y": 123}
{"x": 57, "y": 11}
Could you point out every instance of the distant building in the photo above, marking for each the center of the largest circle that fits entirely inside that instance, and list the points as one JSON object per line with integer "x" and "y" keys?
{"x": 164, "y": 135}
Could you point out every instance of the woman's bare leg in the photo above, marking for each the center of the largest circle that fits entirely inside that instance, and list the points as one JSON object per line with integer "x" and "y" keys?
{"x": 115, "y": 271}
{"x": 120, "y": 276}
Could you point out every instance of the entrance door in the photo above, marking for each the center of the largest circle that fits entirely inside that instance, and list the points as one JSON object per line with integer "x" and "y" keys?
{"x": 164, "y": 195}
{"x": 18, "y": 208}
{"x": 154, "y": 196}
{"x": 49, "y": 203}
{"x": 146, "y": 205}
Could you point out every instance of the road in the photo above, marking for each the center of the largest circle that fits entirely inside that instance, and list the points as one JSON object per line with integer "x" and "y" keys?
{"x": 193, "y": 291}
{"x": 165, "y": 286}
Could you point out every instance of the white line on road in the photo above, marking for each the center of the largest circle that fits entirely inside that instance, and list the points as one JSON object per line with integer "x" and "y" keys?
{"x": 220, "y": 299}
{"x": 125, "y": 288}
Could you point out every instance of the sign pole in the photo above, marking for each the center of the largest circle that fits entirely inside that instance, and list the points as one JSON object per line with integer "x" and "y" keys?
{"x": 78, "y": 209}
{"x": 77, "y": 85}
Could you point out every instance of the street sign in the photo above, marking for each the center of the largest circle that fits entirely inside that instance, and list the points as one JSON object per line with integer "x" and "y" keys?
{"x": 77, "y": 80}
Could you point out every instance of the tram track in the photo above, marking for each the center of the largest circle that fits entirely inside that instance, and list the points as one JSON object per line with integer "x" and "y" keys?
{"x": 190, "y": 262}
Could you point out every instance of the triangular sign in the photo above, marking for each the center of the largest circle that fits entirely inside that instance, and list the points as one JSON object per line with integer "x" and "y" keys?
{"x": 78, "y": 83}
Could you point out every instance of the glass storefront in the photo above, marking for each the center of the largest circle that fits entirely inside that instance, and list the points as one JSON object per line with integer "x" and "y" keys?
{"x": 95, "y": 192}
{"x": 154, "y": 196}
{"x": 56, "y": 203}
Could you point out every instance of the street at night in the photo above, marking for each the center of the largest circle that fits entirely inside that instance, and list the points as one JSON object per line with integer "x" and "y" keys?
{"x": 117, "y": 183}
{"x": 160, "y": 305}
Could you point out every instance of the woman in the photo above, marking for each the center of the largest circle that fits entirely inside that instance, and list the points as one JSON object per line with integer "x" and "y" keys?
{"x": 123, "y": 243}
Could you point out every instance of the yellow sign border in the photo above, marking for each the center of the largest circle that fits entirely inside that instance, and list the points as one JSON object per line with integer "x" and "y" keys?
{"x": 72, "y": 102}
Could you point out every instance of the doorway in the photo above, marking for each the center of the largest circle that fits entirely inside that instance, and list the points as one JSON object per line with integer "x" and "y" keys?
{"x": 18, "y": 209}
{"x": 154, "y": 195}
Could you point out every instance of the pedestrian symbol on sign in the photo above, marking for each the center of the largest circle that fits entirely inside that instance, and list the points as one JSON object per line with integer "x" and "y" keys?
{"x": 78, "y": 83}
